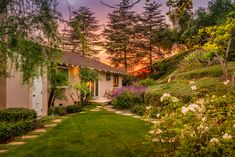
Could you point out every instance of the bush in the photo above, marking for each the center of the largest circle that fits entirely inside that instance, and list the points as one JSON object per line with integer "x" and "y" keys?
{"x": 196, "y": 59}
{"x": 17, "y": 114}
{"x": 202, "y": 128}
{"x": 73, "y": 108}
{"x": 57, "y": 110}
{"x": 126, "y": 97}
{"x": 11, "y": 130}
{"x": 125, "y": 100}
{"x": 147, "y": 82}
{"x": 138, "y": 109}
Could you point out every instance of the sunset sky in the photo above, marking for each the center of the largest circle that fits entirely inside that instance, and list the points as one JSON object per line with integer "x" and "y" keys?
{"x": 100, "y": 11}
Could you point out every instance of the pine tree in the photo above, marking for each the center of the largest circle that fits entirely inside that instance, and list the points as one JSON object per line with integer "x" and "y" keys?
{"x": 83, "y": 32}
{"x": 152, "y": 27}
{"x": 119, "y": 34}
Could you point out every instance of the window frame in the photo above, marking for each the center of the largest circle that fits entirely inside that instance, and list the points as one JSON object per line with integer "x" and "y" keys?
{"x": 115, "y": 80}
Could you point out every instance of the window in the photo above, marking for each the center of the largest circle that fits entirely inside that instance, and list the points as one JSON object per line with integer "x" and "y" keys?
{"x": 108, "y": 77}
{"x": 115, "y": 81}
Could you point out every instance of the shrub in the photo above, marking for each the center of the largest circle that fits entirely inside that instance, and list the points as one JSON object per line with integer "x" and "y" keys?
{"x": 57, "y": 110}
{"x": 203, "y": 128}
{"x": 196, "y": 59}
{"x": 11, "y": 130}
{"x": 147, "y": 82}
{"x": 17, "y": 114}
{"x": 126, "y": 97}
{"x": 138, "y": 109}
{"x": 73, "y": 108}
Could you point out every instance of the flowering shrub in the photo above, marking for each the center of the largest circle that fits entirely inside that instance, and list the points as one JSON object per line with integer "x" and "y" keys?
{"x": 129, "y": 96}
{"x": 203, "y": 128}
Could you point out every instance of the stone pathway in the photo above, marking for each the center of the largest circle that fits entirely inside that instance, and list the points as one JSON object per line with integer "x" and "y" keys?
{"x": 128, "y": 113}
{"x": 18, "y": 141}
{"x": 29, "y": 136}
{"x": 40, "y": 131}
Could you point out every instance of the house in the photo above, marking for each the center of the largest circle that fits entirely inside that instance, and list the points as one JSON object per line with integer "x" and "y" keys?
{"x": 109, "y": 77}
{"x": 14, "y": 94}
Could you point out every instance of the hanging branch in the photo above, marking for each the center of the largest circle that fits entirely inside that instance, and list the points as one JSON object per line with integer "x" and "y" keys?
{"x": 114, "y": 7}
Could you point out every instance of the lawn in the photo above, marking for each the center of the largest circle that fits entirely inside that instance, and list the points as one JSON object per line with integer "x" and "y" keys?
{"x": 93, "y": 134}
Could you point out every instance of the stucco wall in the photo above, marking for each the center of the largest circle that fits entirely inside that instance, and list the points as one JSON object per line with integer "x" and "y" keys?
{"x": 107, "y": 86}
{"x": 2, "y": 92}
{"x": 18, "y": 95}
{"x": 70, "y": 95}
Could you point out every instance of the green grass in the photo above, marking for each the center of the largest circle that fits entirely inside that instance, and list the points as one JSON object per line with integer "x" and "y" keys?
{"x": 94, "y": 134}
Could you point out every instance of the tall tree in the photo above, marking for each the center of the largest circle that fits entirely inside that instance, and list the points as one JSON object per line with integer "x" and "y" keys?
{"x": 119, "y": 35}
{"x": 28, "y": 29}
{"x": 177, "y": 9}
{"x": 84, "y": 31}
{"x": 152, "y": 26}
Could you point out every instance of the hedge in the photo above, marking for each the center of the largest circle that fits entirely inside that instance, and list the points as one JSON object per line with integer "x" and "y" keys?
{"x": 10, "y": 130}
{"x": 57, "y": 110}
{"x": 74, "y": 108}
{"x": 17, "y": 114}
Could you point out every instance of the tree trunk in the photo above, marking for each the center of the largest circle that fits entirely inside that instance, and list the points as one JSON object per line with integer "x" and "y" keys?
{"x": 125, "y": 60}
{"x": 51, "y": 98}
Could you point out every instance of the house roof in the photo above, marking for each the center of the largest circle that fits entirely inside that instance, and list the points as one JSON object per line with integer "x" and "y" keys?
{"x": 78, "y": 60}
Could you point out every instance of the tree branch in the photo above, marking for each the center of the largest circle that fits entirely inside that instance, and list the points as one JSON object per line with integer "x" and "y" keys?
{"x": 115, "y": 7}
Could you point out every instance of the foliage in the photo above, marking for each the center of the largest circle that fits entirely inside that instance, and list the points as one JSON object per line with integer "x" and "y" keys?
{"x": 17, "y": 114}
{"x": 218, "y": 39}
{"x": 138, "y": 109}
{"x": 11, "y": 130}
{"x": 120, "y": 36}
{"x": 126, "y": 97}
{"x": 84, "y": 91}
{"x": 152, "y": 24}
{"x": 57, "y": 110}
{"x": 196, "y": 59}
{"x": 147, "y": 82}
{"x": 202, "y": 128}
{"x": 83, "y": 32}
{"x": 87, "y": 74}
{"x": 166, "y": 66}
{"x": 73, "y": 108}
{"x": 57, "y": 80}
{"x": 23, "y": 32}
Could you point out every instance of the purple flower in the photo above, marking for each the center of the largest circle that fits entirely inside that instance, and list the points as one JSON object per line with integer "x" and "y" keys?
{"x": 138, "y": 90}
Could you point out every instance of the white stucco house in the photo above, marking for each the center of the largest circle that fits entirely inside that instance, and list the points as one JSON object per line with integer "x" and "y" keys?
{"x": 14, "y": 94}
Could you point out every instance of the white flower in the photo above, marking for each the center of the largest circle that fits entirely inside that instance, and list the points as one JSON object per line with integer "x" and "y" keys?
{"x": 203, "y": 119}
{"x": 213, "y": 96}
{"x": 151, "y": 131}
{"x": 165, "y": 96}
{"x": 233, "y": 125}
{"x": 174, "y": 99}
{"x": 191, "y": 82}
{"x": 148, "y": 107}
{"x": 203, "y": 128}
{"x": 200, "y": 101}
{"x": 158, "y": 115}
{"x": 226, "y": 136}
{"x": 184, "y": 110}
{"x": 194, "y": 107}
{"x": 194, "y": 87}
{"x": 226, "y": 82}
{"x": 159, "y": 131}
{"x": 224, "y": 96}
{"x": 214, "y": 140}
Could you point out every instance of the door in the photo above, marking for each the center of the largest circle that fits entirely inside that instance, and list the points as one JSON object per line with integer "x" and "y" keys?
{"x": 37, "y": 96}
